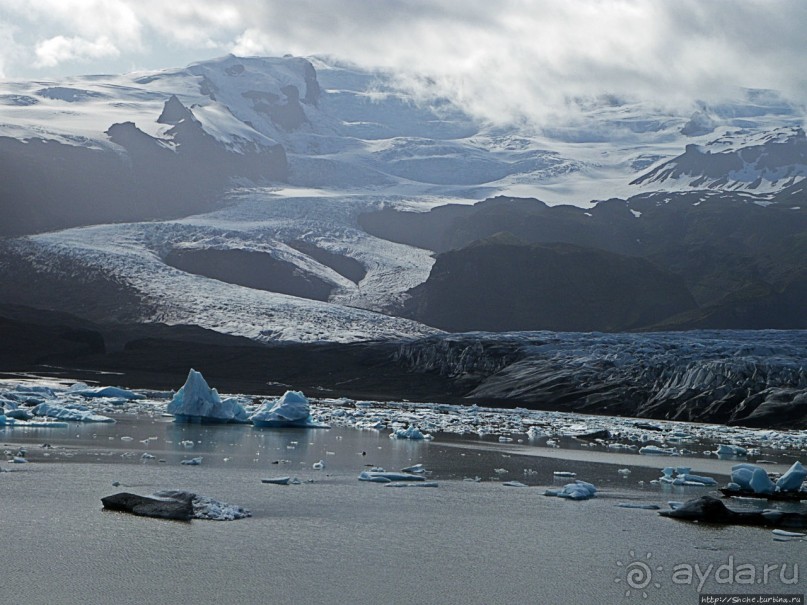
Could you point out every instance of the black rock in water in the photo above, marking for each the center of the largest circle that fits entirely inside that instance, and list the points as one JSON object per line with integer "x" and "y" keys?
{"x": 709, "y": 509}
{"x": 179, "y": 508}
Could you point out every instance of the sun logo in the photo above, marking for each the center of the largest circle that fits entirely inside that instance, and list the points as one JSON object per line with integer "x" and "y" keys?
{"x": 638, "y": 575}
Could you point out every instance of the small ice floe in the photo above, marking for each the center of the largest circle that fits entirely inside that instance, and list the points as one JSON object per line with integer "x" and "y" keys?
{"x": 147, "y": 456}
{"x": 207, "y": 508}
{"x": 196, "y": 402}
{"x": 71, "y": 413}
{"x": 416, "y": 484}
{"x": 417, "y": 469}
{"x": 386, "y": 477}
{"x": 292, "y": 410}
{"x": 192, "y": 461}
{"x": 674, "y": 504}
{"x": 127, "y": 438}
{"x": 318, "y": 466}
{"x": 780, "y": 535}
{"x": 188, "y": 443}
{"x": 639, "y": 506}
{"x": 277, "y": 480}
{"x": 514, "y": 484}
{"x": 624, "y": 472}
{"x": 579, "y": 490}
{"x": 110, "y": 392}
{"x": 564, "y": 474}
{"x": 18, "y": 460}
{"x": 500, "y": 471}
{"x": 683, "y": 476}
{"x": 472, "y": 479}
{"x": 552, "y": 443}
{"x": 411, "y": 432}
{"x": 504, "y": 439}
{"x": 654, "y": 450}
{"x": 726, "y": 451}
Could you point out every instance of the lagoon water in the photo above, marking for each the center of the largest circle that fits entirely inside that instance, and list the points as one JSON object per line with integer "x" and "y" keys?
{"x": 333, "y": 539}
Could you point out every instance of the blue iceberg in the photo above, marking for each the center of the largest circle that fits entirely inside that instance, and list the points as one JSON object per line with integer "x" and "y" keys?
{"x": 291, "y": 410}
{"x": 197, "y": 402}
{"x": 791, "y": 481}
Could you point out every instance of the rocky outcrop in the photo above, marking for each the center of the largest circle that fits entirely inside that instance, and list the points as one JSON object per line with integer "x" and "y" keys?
{"x": 708, "y": 509}
{"x": 177, "y": 509}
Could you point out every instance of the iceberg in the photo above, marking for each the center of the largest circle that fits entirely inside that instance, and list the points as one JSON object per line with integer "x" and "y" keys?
{"x": 792, "y": 479}
{"x": 69, "y": 413}
{"x": 387, "y": 477}
{"x": 91, "y": 392}
{"x": 579, "y": 490}
{"x": 291, "y": 410}
{"x": 749, "y": 477}
{"x": 730, "y": 451}
{"x": 410, "y": 432}
{"x": 197, "y": 402}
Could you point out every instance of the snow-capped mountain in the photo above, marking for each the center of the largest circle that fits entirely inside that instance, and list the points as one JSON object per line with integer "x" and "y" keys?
{"x": 744, "y": 160}
{"x": 230, "y": 194}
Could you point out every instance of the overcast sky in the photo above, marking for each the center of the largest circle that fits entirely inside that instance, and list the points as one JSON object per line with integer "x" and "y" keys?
{"x": 506, "y": 56}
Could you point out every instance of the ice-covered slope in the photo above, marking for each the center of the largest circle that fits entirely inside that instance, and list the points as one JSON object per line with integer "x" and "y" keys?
{"x": 741, "y": 160}
{"x": 114, "y": 273}
{"x": 226, "y": 194}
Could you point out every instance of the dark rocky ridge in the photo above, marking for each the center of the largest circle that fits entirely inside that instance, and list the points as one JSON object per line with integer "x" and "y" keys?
{"x": 741, "y": 257}
{"x": 501, "y": 285}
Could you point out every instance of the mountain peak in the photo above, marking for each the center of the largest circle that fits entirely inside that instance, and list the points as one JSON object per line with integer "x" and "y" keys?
{"x": 174, "y": 112}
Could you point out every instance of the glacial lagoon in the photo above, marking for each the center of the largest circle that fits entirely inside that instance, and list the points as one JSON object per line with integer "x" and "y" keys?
{"x": 333, "y": 539}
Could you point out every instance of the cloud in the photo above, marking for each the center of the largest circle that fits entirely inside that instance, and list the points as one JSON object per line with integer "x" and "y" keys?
{"x": 59, "y": 49}
{"x": 510, "y": 59}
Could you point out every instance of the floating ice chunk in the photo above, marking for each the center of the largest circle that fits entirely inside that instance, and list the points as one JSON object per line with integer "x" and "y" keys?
{"x": 188, "y": 443}
{"x": 410, "y": 432}
{"x": 788, "y": 535}
{"x": 386, "y": 477}
{"x": 654, "y": 450}
{"x": 690, "y": 479}
{"x": 760, "y": 482}
{"x": 579, "y": 490}
{"x": 72, "y": 413}
{"x": 277, "y": 480}
{"x": 417, "y": 469}
{"x": 192, "y": 461}
{"x": 624, "y": 472}
{"x": 291, "y": 410}
{"x": 730, "y": 451}
{"x": 18, "y": 460}
{"x": 514, "y": 484}
{"x": 147, "y": 456}
{"x": 564, "y": 474}
{"x": 318, "y": 466}
{"x": 416, "y": 484}
{"x": 197, "y": 402}
{"x": 89, "y": 392}
{"x": 792, "y": 479}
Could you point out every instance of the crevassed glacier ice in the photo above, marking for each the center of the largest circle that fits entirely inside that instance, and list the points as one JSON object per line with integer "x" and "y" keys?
{"x": 197, "y": 402}
{"x": 291, "y": 410}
